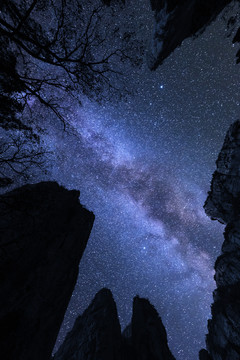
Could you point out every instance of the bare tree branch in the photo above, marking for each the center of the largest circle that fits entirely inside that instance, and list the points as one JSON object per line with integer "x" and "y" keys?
{"x": 75, "y": 46}
{"x": 18, "y": 157}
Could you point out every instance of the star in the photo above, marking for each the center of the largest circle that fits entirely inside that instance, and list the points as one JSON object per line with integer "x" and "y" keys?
{"x": 144, "y": 169}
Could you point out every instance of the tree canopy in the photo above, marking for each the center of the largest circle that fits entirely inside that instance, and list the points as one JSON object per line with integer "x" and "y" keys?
{"x": 51, "y": 49}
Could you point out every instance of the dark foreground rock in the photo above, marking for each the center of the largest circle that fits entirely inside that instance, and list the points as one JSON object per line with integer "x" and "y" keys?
{"x": 96, "y": 334}
{"x": 149, "y": 337}
{"x": 223, "y": 204}
{"x": 43, "y": 233}
{"x": 204, "y": 355}
{"x": 177, "y": 20}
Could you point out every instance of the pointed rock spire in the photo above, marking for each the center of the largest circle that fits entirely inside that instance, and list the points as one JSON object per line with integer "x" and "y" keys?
{"x": 149, "y": 337}
{"x": 96, "y": 334}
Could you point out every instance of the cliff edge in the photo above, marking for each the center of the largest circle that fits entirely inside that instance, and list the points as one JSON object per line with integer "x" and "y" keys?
{"x": 43, "y": 233}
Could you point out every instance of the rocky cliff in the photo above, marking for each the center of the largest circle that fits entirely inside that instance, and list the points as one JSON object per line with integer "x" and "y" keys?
{"x": 96, "y": 334}
{"x": 223, "y": 204}
{"x": 43, "y": 233}
{"x": 177, "y": 20}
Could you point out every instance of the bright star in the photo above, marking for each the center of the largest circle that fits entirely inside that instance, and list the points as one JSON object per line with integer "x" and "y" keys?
{"x": 161, "y": 86}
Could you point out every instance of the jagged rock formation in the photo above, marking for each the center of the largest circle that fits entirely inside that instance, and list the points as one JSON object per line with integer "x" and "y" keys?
{"x": 149, "y": 337}
{"x": 96, "y": 334}
{"x": 223, "y": 204}
{"x": 177, "y": 20}
{"x": 43, "y": 233}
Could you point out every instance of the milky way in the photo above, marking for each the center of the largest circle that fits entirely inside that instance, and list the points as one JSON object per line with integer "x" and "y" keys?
{"x": 144, "y": 168}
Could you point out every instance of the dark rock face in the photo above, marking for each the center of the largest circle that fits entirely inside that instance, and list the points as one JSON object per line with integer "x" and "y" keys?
{"x": 43, "y": 233}
{"x": 236, "y": 39}
{"x": 223, "y": 204}
{"x": 204, "y": 355}
{"x": 128, "y": 350}
{"x": 108, "y": 2}
{"x": 96, "y": 335}
{"x": 177, "y": 20}
{"x": 149, "y": 337}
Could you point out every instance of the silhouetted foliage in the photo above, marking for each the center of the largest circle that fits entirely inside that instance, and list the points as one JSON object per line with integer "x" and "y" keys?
{"x": 62, "y": 45}
{"x": 10, "y": 84}
{"x": 52, "y": 49}
{"x": 19, "y": 158}
{"x": 19, "y": 145}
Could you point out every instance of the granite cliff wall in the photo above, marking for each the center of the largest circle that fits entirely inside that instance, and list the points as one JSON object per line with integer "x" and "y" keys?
{"x": 43, "y": 233}
{"x": 223, "y": 204}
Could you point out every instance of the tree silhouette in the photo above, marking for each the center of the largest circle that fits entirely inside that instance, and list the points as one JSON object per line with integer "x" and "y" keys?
{"x": 20, "y": 148}
{"x": 69, "y": 50}
{"x": 50, "y": 50}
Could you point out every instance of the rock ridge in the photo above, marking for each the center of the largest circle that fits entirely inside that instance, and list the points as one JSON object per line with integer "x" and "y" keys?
{"x": 96, "y": 334}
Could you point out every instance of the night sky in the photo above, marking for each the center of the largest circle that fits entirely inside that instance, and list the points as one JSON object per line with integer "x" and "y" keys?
{"x": 144, "y": 168}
